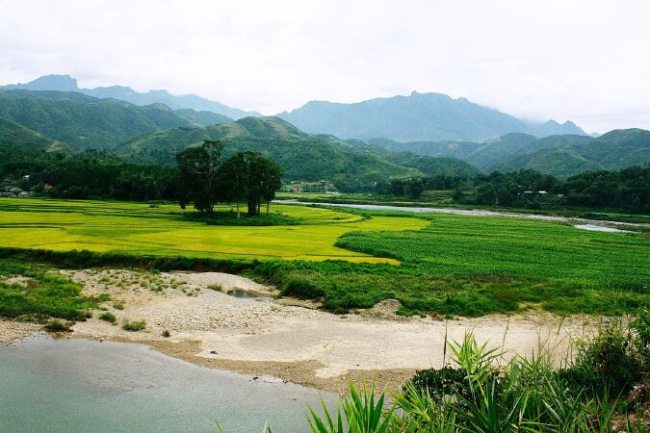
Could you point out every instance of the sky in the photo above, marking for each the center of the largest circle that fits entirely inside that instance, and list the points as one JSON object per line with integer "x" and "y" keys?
{"x": 582, "y": 60}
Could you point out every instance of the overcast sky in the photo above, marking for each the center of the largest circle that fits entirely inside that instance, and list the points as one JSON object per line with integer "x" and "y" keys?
{"x": 583, "y": 60}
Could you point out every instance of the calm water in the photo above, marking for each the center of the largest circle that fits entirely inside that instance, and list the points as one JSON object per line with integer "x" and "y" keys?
{"x": 475, "y": 212}
{"x": 49, "y": 385}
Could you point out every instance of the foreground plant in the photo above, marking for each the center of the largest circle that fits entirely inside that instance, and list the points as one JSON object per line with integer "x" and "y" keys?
{"x": 359, "y": 413}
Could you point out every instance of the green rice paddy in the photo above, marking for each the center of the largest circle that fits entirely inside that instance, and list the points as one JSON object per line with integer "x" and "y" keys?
{"x": 134, "y": 228}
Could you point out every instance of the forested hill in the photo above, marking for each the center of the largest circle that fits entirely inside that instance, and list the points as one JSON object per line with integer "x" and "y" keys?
{"x": 11, "y": 132}
{"x": 613, "y": 151}
{"x": 559, "y": 155}
{"x": 84, "y": 122}
{"x": 418, "y": 117}
{"x": 303, "y": 156}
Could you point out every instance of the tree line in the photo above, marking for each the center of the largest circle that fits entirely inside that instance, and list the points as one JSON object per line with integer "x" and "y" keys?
{"x": 249, "y": 178}
{"x": 627, "y": 189}
{"x": 201, "y": 178}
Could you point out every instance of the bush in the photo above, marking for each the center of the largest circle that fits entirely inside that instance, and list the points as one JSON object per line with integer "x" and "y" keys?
{"x": 56, "y": 325}
{"x": 134, "y": 326}
{"x": 108, "y": 317}
{"x": 612, "y": 361}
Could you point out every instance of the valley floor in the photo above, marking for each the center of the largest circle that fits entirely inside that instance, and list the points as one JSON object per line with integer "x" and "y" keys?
{"x": 289, "y": 339}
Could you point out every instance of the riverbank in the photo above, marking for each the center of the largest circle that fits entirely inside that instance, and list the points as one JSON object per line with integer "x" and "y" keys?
{"x": 290, "y": 339}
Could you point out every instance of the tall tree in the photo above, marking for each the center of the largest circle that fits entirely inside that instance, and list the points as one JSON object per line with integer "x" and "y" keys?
{"x": 233, "y": 179}
{"x": 271, "y": 181}
{"x": 198, "y": 175}
{"x": 251, "y": 176}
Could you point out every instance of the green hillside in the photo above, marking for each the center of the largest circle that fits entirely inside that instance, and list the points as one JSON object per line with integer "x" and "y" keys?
{"x": 205, "y": 118}
{"x": 13, "y": 134}
{"x": 432, "y": 166}
{"x": 572, "y": 155}
{"x": 84, "y": 122}
{"x": 303, "y": 156}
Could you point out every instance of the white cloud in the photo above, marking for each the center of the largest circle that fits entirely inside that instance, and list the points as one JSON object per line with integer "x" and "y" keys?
{"x": 564, "y": 59}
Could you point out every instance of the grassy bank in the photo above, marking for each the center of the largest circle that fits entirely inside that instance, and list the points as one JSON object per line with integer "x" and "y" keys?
{"x": 35, "y": 293}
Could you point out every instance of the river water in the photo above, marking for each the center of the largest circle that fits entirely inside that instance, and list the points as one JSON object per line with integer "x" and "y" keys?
{"x": 68, "y": 386}
{"x": 589, "y": 223}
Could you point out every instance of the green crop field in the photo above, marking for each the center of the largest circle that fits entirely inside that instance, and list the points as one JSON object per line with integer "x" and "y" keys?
{"x": 432, "y": 263}
{"x": 134, "y": 228}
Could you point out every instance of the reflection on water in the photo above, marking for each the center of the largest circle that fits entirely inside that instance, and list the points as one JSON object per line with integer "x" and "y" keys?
{"x": 241, "y": 294}
{"x": 49, "y": 385}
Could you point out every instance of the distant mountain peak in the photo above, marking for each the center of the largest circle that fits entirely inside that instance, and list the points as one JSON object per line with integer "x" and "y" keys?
{"x": 416, "y": 117}
{"x": 67, "y": 83}
{"x": 61, "y": 83}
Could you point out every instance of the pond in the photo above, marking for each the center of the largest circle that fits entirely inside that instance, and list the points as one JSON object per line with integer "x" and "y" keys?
{"x": 60, "y": 385}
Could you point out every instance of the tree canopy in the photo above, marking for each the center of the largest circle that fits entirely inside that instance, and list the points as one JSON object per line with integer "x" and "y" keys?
{"x": 245, "y": 176}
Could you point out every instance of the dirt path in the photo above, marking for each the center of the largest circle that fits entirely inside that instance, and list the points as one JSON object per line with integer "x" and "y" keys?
{"x": 262, "y": 336}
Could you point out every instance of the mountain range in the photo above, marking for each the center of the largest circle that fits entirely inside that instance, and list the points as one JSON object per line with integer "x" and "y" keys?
{"x": 418, "y": 117}
{"x": 302, "y": 156}
{"x": 70, "y": 121}
{"x": 66, "y": 83}
{"x": 558, "y": 155}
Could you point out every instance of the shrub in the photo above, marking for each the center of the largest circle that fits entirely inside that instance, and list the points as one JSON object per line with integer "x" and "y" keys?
{"x": 134, "y": 326}
{"x": 611, "y": 361}
{"x": 108, "y": 317}
{"x": 56, "y": 325}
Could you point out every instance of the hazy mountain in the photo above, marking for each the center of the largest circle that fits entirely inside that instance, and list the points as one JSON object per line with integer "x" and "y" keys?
{"x": 82, "y": 121}
{"x": 66, "y": 83}
{"x": 303, "y": 156}
{"x": 418, "y": 117}
{"x": 615, "y": 150}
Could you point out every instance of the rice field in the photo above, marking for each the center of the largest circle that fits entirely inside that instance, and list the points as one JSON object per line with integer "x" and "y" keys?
{"x": 135, "y": 228}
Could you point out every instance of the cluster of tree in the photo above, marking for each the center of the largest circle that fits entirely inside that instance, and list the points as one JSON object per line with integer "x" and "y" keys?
{"x": 90, "y": 174}
{"x": 413, "y": 187}
{"x": 206, "y": 180}
{"x": 523, "y": 188}
{"x": 627, "y": 189}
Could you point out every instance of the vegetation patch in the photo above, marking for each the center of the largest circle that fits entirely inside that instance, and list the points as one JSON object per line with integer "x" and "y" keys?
{"x": 134, "y": 326}
{"x": 46, "y": 294}
{"x": 108, "y": 317}
{"x": 449, "y": 265}
{"x": 229, "y": 218}
{"x": 479, "y": 392}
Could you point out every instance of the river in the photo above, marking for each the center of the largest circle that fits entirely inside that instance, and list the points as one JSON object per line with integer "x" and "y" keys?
{"x": 588, "y": 223}
{"x": 60, "y": 385}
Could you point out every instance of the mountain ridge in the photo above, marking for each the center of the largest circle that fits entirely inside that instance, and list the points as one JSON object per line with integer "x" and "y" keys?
{"x": 417, "y": 117}
{"x": 67, "y": 83}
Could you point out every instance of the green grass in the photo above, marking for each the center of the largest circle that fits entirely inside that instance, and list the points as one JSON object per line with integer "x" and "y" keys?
{"x": 471, "y": 265}
{"x": 43, "y": 294}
